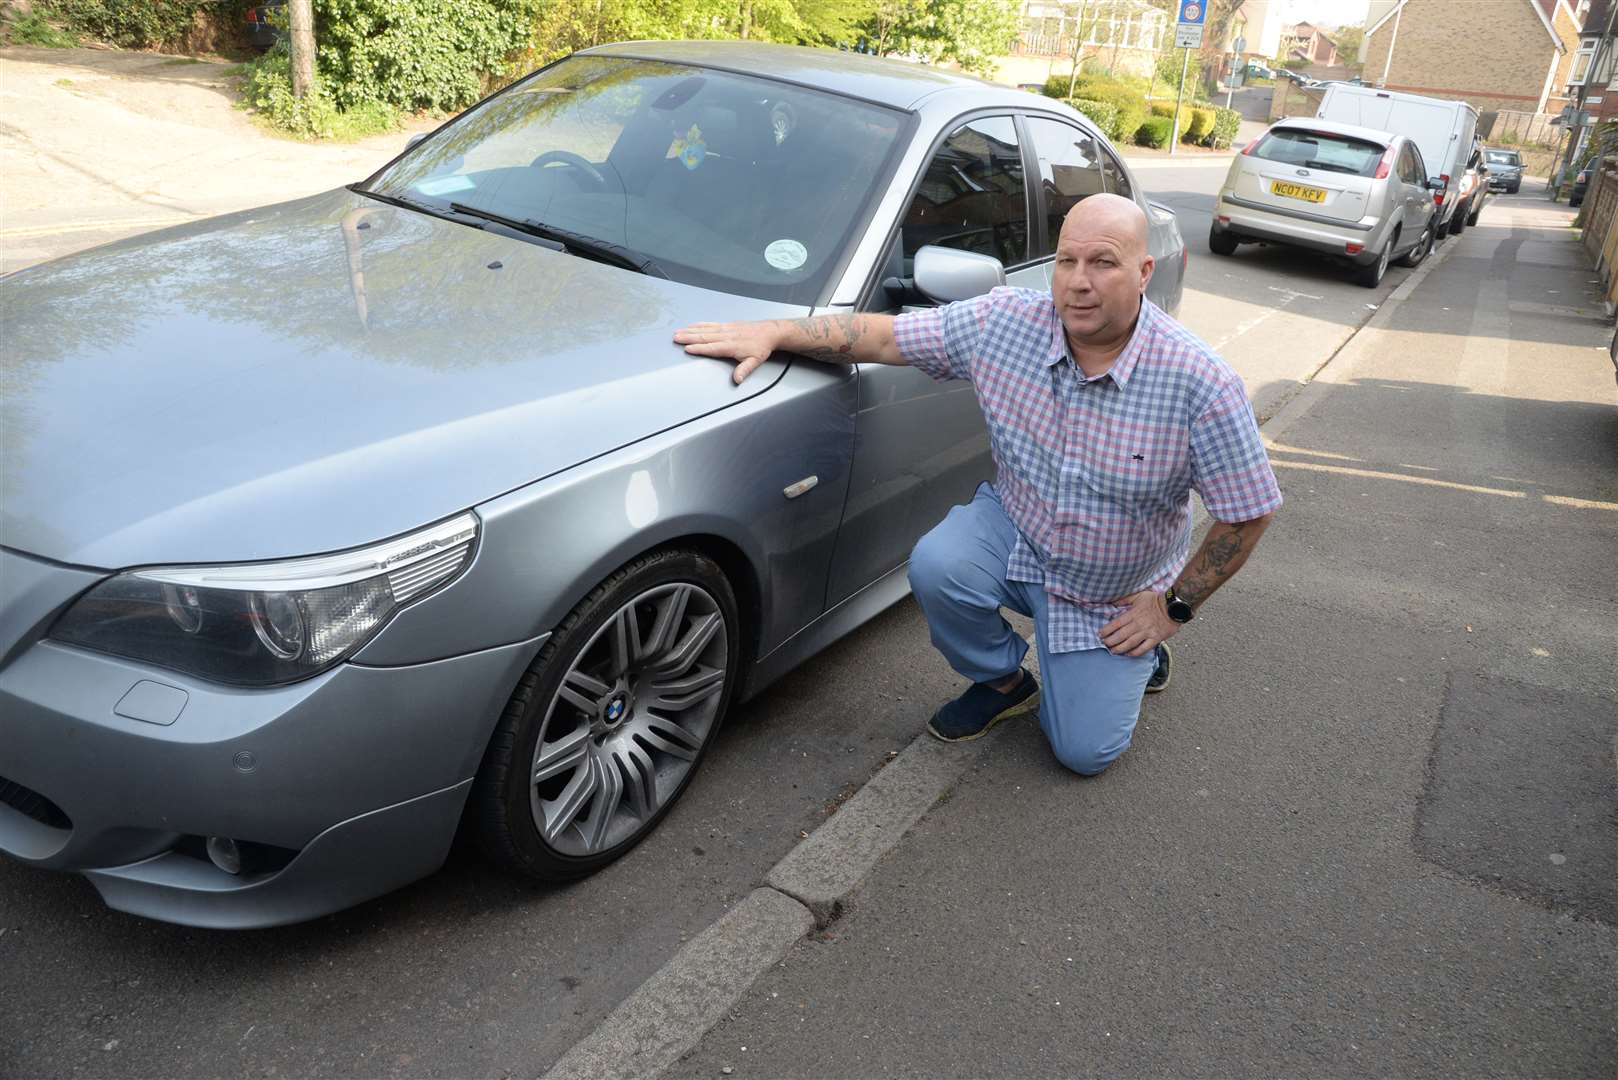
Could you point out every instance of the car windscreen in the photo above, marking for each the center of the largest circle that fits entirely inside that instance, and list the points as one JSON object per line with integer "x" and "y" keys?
{"x": 723, "y": 180}
{"x": 1503, "y": 157}
{"x": 1320, "y": 150}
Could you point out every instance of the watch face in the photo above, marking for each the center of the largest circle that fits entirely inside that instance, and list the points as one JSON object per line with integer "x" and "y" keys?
{"x": 1179, "y": 610}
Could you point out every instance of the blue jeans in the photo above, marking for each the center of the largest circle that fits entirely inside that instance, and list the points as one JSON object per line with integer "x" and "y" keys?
{"x": 1090, "y": 699}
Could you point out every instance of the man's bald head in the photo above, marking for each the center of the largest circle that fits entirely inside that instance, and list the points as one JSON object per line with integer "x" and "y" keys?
{"x": 1110, "y": 216}
{"x": 1102, "y": 267}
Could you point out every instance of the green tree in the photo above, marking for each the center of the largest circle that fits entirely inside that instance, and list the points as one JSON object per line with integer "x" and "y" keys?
{"x": 970, "y": 33}
{"x": 1348, "y": 40}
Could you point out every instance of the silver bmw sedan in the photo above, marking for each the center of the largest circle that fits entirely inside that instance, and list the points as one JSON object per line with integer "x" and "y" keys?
{"x": 329, "y": 527}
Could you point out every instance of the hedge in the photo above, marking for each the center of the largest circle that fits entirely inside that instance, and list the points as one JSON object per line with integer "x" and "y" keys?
{"x": 1103, "y": 114}
{"x": 1155, "y": 132}
{"x": 420, "y": 54}
{"x": 1202, "y": 122}
{"x": 129, "y": 24}
{"x": 1226, "y": 122}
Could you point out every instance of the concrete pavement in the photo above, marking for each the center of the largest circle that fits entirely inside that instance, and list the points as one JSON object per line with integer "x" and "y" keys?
{"x": 1373, "y": 826}
{"x": 96, "y": 146}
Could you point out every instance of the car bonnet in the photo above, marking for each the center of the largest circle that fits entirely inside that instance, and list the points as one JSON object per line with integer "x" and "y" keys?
{"x": 322, "y": 374}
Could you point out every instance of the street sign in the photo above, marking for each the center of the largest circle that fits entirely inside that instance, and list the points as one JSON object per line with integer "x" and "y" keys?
{"x": 1240, "y": 46}
{"x": 1188, "y": 27}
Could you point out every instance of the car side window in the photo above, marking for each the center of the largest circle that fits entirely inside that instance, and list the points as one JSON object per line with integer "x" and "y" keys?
{"x": 1069, "y": 172}
{"x": 1418, "y": 164}
{"x": 972, "y": 196}
{"x": 1117, "y": 179}
{"x": 1407, "y": 166}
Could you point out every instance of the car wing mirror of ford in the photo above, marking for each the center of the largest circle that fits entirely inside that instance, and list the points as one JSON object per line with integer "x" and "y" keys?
{"x": 946, "y": 274}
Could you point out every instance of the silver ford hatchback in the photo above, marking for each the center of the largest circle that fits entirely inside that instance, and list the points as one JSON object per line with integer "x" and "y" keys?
{"x": 1358, "y": 194}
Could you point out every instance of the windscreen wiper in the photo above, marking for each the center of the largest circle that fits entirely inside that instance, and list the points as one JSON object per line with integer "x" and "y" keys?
{"x": 578, "y": 243}
{"x": 399, "y": 200}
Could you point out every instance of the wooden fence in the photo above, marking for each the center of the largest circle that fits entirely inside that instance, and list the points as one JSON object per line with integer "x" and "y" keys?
{"x": 1600, "y": 232}
{"x": 1507, "y": 126}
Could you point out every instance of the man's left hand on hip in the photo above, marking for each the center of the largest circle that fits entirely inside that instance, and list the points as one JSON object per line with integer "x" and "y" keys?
{"x": 1141, "y": 628}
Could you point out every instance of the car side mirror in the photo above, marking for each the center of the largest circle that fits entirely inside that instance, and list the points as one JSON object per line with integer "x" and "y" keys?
{"x": 414, "y": 139}
{"x": 948, "y": 274}
{"x": 1435, "y": 183}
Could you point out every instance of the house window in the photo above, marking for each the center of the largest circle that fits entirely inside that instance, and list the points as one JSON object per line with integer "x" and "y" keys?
{"x": 1581, "y": 63}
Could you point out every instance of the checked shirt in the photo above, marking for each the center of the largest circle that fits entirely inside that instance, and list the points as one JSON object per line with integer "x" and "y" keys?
{"x": 1097, "y": 473}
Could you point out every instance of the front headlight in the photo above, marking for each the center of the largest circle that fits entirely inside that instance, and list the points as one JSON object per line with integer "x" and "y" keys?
{"x": 258, "y": 624}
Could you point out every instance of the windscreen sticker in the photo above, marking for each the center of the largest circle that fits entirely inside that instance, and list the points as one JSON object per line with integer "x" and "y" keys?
{"x": 786, "y": 254}
{"x": 443, "y": 185}
{"x": 690, "y": 148}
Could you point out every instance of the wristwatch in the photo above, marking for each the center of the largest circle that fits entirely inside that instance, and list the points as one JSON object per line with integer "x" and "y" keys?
{"x": 1178, "y": 609}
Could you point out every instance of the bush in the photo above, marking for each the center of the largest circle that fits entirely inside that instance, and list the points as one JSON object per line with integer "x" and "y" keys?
{"x": 1103, "y": 114}
{"x": 268, "y": 90}
{"x": 129, "y": 24}
{"x": 1155, "y": 132}
{"x": 1122, "y": 96}
{"x": 32, "y": 29}
{"x": 1202, "y": 122}
{"x": 416, "y": 54}
{"x": 1225, "y": 124}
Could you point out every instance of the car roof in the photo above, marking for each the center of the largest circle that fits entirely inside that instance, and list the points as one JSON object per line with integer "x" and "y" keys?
{"x": 1334, "y": 127}
{"x": 895, "y": 83}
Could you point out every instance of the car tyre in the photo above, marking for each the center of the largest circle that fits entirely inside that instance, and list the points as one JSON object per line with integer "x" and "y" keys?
{"x": 1371, "y": 276}
{"x": 1424, "y": 247}
{"x": 1221, "y": 243}
{"x": 612, "y": 719}
{"x": 1513, "y": 189}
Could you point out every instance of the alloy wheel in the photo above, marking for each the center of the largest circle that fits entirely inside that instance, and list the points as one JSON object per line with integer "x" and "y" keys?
{"x": 629, "y": 719}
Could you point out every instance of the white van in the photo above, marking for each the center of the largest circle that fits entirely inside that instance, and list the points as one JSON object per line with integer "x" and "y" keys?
{"x": 1442, "y": 130}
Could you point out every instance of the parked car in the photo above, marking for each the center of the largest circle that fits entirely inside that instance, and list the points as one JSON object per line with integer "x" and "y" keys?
{"x": 1443, "y": 130}
{"x": 1472, "y": 192}
{"x": 1505, "y": 170}
{"x": 265, "y": 24}
{"x": 1256, "y": 70}
{"x": 1581, "y": 184}
{"x": 1359, "y": 195}
{"x": 449, "y": 531}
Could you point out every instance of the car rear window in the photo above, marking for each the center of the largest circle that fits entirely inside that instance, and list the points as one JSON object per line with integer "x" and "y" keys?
{"x": 1320, "y": 150}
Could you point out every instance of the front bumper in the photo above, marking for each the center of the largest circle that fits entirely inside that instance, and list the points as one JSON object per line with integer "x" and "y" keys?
{"x": 1252, "y": 223}
{"x": 353, "y": 780}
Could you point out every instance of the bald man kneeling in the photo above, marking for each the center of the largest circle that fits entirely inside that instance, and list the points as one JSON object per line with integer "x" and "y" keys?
{"x": 1103, "y": 414}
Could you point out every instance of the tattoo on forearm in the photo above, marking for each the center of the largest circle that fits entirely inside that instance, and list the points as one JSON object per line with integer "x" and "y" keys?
{"x": 1223, "y": 552}
{"x": 834, "y": 336}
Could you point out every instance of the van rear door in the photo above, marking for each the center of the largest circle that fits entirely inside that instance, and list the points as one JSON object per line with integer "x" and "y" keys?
{"x": 1431, "y": 125}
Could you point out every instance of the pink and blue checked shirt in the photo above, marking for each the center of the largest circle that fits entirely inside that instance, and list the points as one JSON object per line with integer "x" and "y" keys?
{"x": 1097, "y": 473}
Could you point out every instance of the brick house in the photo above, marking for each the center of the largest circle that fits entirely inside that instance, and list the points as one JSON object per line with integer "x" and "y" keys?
{"x": 1593, "y": 80}
{"x": 1309, "y": 43}
{"x": 1510, "y": 54}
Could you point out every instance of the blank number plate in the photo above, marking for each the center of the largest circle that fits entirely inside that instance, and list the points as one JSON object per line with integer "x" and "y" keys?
{"x": 1297, "y": 191}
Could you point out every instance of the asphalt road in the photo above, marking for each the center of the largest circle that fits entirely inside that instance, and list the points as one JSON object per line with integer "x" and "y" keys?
{"x": 471, "y": 973}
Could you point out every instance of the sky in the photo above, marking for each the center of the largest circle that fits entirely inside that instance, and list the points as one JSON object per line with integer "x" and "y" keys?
{"x": 1327, "y": 12}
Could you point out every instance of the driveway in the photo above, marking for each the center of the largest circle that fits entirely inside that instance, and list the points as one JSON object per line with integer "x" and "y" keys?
{"x": 95, "y": 146}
